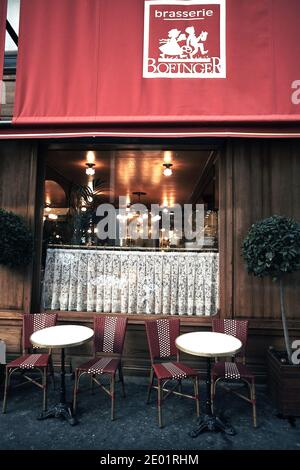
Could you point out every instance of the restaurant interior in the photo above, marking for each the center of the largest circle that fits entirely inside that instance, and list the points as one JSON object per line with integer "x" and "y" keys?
{"x": 77, "y": 180}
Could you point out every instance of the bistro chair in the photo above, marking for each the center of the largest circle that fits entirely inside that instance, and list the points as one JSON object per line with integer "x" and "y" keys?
{"x": 29, "y": 362}
{"x": 109, "y": 335}
{"x": 236, "y": 370}
{"x": 161, "y": 336}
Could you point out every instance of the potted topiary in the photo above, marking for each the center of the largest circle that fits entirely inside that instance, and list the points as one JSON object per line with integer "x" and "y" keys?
{"x": 16, "y": 242}
{"x": 272, "y": 249}
{"x": 15, "y": 246}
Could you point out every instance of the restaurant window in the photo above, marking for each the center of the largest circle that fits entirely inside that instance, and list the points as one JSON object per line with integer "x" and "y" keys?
{"x": 131, "y": 230}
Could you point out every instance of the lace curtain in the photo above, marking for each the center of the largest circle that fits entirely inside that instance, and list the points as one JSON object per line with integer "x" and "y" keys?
{"x": 176, "y": 283}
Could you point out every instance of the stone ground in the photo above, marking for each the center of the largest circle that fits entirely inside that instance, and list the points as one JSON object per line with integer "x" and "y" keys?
{"x": 136, "y": 426}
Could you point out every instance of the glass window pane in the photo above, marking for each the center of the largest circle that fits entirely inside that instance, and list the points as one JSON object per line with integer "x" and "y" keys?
{"x": 13, "y": 15}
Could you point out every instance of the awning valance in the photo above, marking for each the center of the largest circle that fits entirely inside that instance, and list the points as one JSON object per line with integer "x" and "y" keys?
{"x": 149, "y": 132}
{"x": 158, "y": 61}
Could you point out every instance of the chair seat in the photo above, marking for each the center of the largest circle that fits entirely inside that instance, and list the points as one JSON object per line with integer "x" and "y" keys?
{"x": 30, "y": 361}
{"x": 231, "y": 370}
{"x": 100, "y": 365}
{"x": 173, "y": 370}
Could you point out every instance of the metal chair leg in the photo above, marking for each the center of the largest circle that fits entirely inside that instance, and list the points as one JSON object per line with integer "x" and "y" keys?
{"x": 196, "y": 386}
{"x": 112, "y": 394}
{"x": 5, "y": 390}
{"x": 180, "y": 387}
{"x": 121, "y": 376}
{"x": 92, "y": 384}
{"x": 159, "y": 403}
{"x": 150, "y": 385}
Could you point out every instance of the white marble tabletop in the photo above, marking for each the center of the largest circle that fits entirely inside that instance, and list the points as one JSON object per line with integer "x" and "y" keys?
{"x": 61, "y": 336}
{"x": 208, "y": 344}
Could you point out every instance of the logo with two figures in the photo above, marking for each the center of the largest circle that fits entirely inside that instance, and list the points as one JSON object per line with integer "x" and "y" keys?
{"x": 184, "y": 39}
{"x": 183, "y": 47}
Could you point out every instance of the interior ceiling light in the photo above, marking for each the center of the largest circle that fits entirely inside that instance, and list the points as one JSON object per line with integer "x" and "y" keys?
{"x": 168, "y": 169}
{"x": 90, "y": 170}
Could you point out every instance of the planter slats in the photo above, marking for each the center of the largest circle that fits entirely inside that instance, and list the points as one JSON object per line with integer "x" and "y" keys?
{"x": 284, "y": 386}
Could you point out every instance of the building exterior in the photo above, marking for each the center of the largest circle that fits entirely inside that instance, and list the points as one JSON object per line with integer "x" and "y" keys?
{"x": 92, "y": 81}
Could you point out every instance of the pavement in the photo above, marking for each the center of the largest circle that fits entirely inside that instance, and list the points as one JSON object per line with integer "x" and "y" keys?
{"x": 136, "y": 427}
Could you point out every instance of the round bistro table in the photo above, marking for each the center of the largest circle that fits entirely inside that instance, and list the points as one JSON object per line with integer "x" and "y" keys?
{"x": 209, "y": 344}
{"x": 61, "y": 337}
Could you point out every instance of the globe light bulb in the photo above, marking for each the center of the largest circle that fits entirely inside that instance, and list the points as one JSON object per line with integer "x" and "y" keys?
{"x": 90, "y": 171}
{"x": 167, "y": 169}
{"x": 168, "y": 172}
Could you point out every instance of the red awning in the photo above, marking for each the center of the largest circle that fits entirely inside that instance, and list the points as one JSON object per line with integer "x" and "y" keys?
{"x": 158, "y": 62}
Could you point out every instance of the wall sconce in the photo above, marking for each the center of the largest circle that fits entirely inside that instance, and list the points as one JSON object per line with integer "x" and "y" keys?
{"x": 168, "y": 170}
{"x": 90, "y": 170}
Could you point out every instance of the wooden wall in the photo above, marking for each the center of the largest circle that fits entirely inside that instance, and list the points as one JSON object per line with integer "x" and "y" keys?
{"x": 266, "y": 181}
{"x": 18, "y": 164}
{"x": 258, "y": 178}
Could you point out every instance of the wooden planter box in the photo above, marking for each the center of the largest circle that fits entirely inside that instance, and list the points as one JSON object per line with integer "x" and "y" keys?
{"x": 284, "y": 385}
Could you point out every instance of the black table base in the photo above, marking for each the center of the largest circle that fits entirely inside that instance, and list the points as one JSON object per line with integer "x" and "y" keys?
{"x": 61, "y": 409}
{"x": 209, "y": 421}
{"x": 212, "y": 423}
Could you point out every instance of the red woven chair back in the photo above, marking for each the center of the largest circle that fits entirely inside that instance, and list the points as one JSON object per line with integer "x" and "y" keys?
{"x": 161, "y": 336}
{"x": 35, "y": 322}
{"x": 109, "y": 334}
{"x": 236, "y": 328}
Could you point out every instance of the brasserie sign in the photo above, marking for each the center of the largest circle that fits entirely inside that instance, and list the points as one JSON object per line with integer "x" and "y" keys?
{"x": 184, "y": 39}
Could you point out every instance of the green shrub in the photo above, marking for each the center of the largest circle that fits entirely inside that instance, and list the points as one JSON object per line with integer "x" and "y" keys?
{"x": 272, "y": 247}
{"x": 16, "y": 242}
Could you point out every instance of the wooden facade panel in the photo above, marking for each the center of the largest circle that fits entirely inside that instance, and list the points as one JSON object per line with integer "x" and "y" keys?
{"x": 17, "y": 194}
{"x": 266, "y": 182}
{"x": 11, "y": 289}
{"x": 11, "y": 331}
{"x": 12, "y": 335}
{"x": 226, "y": 232}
